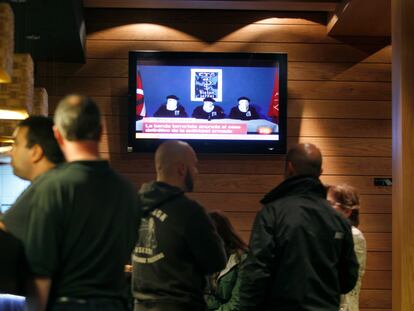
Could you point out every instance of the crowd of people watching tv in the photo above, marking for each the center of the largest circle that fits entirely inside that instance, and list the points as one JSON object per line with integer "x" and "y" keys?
{"x": 81, "y": 238}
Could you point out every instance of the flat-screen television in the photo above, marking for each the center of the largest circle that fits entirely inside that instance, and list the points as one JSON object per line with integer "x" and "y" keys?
{"x": 217, "y": 102}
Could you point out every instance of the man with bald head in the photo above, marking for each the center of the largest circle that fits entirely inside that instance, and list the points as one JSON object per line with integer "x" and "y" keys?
{"x": 178, "y": 245}
{"x": 302, "y": 255}
{"x": 83, "y": 221}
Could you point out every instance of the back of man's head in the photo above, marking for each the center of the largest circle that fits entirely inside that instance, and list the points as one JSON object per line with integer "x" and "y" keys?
{"x": 175, "y": 163}
{"x": 303, "y": 159}
{"x": 77, "y": 118}
{"x": 40, "y": 132}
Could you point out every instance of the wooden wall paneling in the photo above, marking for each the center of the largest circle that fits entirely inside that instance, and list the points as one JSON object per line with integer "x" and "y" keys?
{"x": 376, "y": 147}
{"x": 339, "y": 99}
{"x": 247, "y": 164}
{"x": 302, "y": 71}
{"x": 402, "y": 155}
{"x": 296, "y": 51}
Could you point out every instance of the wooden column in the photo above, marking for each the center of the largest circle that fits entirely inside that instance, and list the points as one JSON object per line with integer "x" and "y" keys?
{"x": 403, "y": 154}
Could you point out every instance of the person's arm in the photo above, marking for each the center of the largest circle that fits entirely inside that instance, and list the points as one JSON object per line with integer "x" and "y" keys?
{"x": 42, "y": 247}
{"x": 348, "y": 265}
{"x": 233, "y": 304}
{"x": 2, "y": 226}
{"x": 256, "y": 270}
{"x": 204, "y": 242}
{"x": 38, "y": 293}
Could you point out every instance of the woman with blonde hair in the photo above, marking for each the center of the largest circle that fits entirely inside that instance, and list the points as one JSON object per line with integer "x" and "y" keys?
{"x": 345, "y": 200}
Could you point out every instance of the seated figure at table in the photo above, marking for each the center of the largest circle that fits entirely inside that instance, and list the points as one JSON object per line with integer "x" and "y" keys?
{"x": 171, "y": 109}
{"x": 209, "y": 110}
{"x": 243, "y": 111}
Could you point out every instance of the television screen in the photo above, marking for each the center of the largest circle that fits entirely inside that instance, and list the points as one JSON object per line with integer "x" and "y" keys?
{"x": 217, "y": 102}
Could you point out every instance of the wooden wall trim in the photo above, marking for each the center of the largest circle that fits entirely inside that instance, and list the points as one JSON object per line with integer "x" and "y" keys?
{"x": 403, "y": 155}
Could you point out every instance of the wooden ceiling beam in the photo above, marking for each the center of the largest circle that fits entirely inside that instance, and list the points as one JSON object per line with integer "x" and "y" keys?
{"x": 265, "y": 5}
{"x": 361, "y": 18}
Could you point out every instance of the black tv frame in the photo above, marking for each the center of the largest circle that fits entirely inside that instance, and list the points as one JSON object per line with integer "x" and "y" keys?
{"x": 206, "y": 59}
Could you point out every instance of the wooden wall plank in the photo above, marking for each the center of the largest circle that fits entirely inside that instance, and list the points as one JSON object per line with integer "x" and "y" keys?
{"x": 237, "y": 183}
{"x": 250, "y": 202}
{"x": 247, "y": 164}
{"x": 308, "y": 71}
{"x": 370, "y": 223}
{"x": 296, "y": 51}
{"x": 370, "y": 298}
{"x": 181, "y": 32}
{"x": 377, "y": 280}
{"x": 359, "y": 147}
{"x": 379, "y": 261}
{"x": 367, "y": 109}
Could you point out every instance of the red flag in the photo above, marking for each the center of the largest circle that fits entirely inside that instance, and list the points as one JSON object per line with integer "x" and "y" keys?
{"x": 140, "y": 104}
{"x": 274, "y": 101}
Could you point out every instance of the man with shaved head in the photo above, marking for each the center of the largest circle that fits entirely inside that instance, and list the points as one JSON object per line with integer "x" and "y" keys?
{"x": 178, "y": 245}
{"x": 302, "y": 255}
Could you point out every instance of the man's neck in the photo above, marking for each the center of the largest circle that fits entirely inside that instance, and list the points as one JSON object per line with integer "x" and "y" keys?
{"x": 81, "y": 151}
{"x": 171, "y": 181}
{"x": 42, "y": 167}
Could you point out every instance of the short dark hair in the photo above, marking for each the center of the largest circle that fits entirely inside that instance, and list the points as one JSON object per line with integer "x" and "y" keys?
{"x": 78, "y": 118}
{"x": 40, "y": 132}
{"x": 209, "y": 99}
{"x": 306, "y": 159}
{"x": 243, "y": 97}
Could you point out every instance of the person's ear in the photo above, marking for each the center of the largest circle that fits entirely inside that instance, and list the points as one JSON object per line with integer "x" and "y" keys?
{"x": 36, "y": 153}
{"x": 347, "y": 212}
{"x": 58, "y": 135}
{"x": 290, "y": 168}
{"x": 181, "y": 169}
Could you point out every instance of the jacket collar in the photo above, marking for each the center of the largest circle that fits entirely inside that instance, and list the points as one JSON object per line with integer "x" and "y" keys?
{"x": 233, "y": 261}
{"x": 296, "y": 185}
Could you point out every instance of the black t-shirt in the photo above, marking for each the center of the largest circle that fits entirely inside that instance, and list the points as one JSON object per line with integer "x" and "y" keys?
{"x": 82, "y": 229}
{"x": 16, "y": 219}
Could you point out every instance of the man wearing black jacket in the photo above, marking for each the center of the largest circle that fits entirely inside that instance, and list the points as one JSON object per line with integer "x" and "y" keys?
{"x": 302, "y": 256}
{"x": 178, "y": 245}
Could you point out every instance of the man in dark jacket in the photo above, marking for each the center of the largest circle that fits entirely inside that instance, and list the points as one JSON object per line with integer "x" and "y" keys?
{"x": 302, "y": 255}
{"x": 178, "y": 245}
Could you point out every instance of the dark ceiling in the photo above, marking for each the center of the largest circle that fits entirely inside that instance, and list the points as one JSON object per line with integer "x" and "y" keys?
{"x": 52, "y": 30}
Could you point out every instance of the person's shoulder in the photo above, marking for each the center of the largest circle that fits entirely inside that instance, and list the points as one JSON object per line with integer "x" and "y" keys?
{"x": 357, "y": 234}
{"x": 52, "y": 178}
